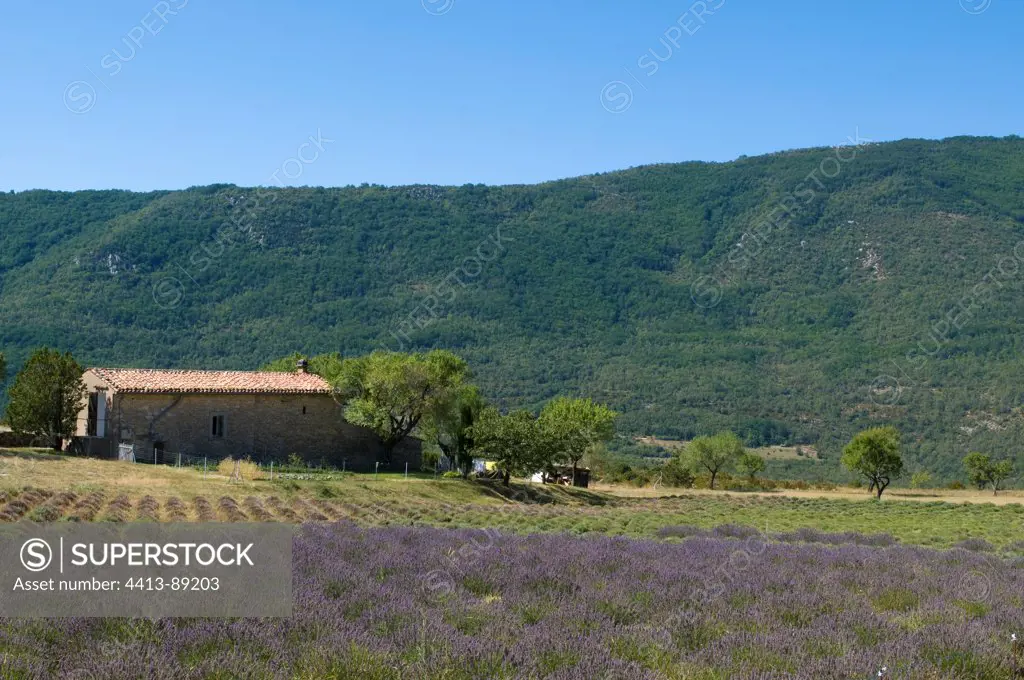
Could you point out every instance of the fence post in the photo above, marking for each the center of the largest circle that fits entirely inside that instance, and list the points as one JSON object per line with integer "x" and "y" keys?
{"x": 204, "y": 467}
{"x": 407, "y": 469}
{"x": 179, "y": 459}
{"x": 376, "y": 466}
{"x": 271, "y": 470}
{"x": 344, "y": 461}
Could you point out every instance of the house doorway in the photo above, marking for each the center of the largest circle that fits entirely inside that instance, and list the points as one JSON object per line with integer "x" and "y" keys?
{"x": 96, "y": 420}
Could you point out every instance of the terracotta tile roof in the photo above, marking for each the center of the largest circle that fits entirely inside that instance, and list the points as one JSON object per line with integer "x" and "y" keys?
{"x": 211, "y": 382}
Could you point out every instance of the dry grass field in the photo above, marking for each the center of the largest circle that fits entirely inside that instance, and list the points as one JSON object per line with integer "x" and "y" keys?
{"x": 37, "y": 486}
{"x": 845, "y": 493}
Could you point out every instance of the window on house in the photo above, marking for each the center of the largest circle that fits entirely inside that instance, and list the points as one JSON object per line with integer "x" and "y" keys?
{"x": 217, "y": 429}
{"x": 91, "y": 419}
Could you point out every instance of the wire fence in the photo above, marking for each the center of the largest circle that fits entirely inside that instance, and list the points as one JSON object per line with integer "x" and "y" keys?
{"x": 210, "y": 464}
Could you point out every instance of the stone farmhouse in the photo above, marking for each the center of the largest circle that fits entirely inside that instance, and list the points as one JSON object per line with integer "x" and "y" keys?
{"x": 265, "y": 415}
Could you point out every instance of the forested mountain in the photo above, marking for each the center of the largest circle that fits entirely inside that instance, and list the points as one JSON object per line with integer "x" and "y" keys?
{"x": 649, "y": 289}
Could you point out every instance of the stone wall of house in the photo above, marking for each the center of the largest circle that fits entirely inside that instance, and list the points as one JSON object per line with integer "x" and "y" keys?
{"x": 258, "y": 425}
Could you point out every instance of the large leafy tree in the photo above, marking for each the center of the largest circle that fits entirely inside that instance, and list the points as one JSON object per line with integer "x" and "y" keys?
{"x": 391, "y": 392}
{"x": 516, "y": 442}
{"x": 751, "y": 465}
{"x": 46, "y": 396}
{"x": 450, "y": 425}
{"x": 875, "y": 455}
{"x": 983, "y": 471}
{"x": 575, "y": 426}
{"x": 714, "y": 453}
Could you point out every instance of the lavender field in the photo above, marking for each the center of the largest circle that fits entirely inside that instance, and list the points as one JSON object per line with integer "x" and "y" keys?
{"x": 389, "y": 603}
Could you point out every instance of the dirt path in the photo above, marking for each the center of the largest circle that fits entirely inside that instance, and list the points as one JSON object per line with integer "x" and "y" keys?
{"x": 919, "y": 495}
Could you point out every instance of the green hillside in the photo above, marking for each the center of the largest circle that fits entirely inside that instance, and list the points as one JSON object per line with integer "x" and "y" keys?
{"x": 583, "y": 285}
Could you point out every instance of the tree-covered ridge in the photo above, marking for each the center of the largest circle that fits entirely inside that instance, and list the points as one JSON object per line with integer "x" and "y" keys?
{"x": 581, "y": 286}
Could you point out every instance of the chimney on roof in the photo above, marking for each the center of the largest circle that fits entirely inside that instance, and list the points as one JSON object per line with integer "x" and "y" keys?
{"x": 302, "y": 366}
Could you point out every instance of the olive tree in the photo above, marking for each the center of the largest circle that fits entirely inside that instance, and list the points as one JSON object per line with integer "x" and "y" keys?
{"x": 715, "y": 453}
{"x": 751, "y": 464}
{"x": 391, "y": 392}
{"x": 517, "y": 442}
{"x": 983, "y": 471}
{"x": 875, "y": 455}
{"x": 575, "y": 426}
{"x": 450, "y": 426}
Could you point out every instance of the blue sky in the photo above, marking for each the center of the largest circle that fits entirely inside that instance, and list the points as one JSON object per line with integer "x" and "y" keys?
{"x": 111, "y": 95}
